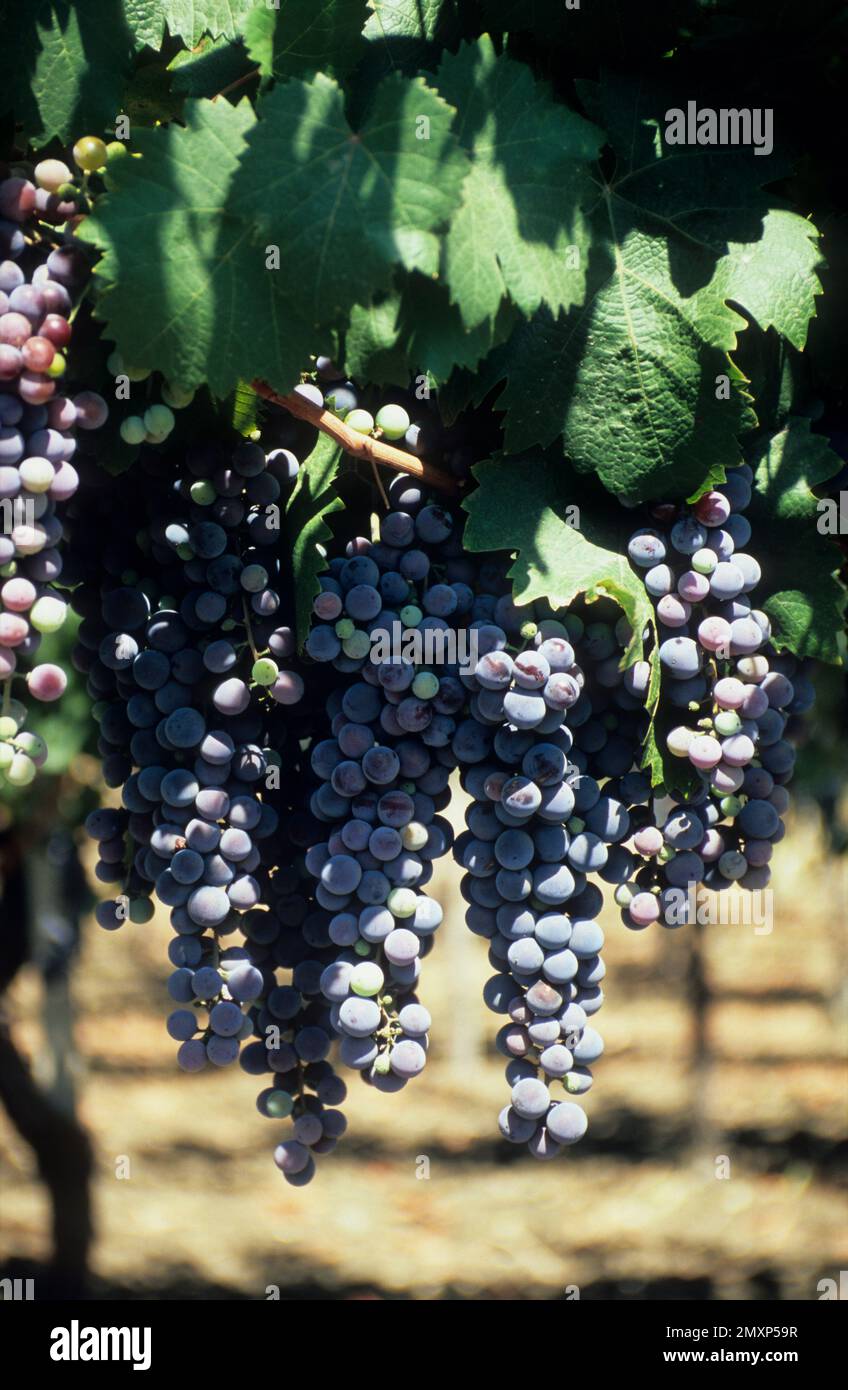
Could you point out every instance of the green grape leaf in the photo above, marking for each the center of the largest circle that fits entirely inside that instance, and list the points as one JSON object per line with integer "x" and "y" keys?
{"x": 150, "y": 98}
{"x": 246, "y": 409}
{"x": 188, "y": 20}
{"x": 209, "y": 68}
{"x": 407, "y": 19}
{"x": 521, "y": 230}
{"x": 347, "y": 206}
{"x": 181, "y": 284}
{"x": 314, "y": 499}
{"x": 63, "y": 66}
{"x": 564, "y": 548}
{"x": 805, "y": 598}
{"x": 306, "y": 36}
{"x": 416, "y": 330}
{"x": 637, "y": 382}
{"x": 374, "y": 350}
{"x": 773, "y": 278}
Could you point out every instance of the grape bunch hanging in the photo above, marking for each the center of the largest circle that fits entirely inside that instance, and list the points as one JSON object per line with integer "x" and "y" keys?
{"x": 288, "y": 808}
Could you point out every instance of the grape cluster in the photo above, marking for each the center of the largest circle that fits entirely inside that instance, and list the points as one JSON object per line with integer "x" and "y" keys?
{"x": 38, "y": 285}
{"x": 384, "y": 775}
{"x": 732, "y": 694}
{"x": 537, "y": 826}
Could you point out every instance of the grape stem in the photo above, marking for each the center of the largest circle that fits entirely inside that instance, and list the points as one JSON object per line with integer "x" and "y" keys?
{"x": 248, "y": 628}
{"x": 239, "y": 82}
{"x": 361, "y": 446}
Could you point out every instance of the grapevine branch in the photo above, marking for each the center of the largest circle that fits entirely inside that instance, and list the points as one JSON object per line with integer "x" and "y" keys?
{"x": 359, "y": 445}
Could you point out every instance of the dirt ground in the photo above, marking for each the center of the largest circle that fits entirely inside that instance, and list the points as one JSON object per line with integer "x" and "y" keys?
{"x": 714, "y": 1171}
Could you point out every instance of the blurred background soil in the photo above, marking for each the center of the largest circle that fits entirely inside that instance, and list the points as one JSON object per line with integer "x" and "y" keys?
{"x": 725, "y": 1055}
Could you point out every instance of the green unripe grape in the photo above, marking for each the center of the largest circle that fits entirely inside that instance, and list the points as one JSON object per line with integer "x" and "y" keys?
{"x": 177, "y": 396}
{"x": 141, "y": 910}
{"x": 704, "y": 561}
{"x": 203, "y": 492}
{"x": 727, "y": 722}
{"x": 132, "y": 430}
{"x": 7, "y": 753}
{"x": 254, "y": 578}
{"x": 360, "y": 420}
{"x": 8, "y": 571}
{"x": 185, "y": 552}
{"x": 116, "y": 149}
{"x": 36, "y": 474}
{"x": 33, "y": 745}
{"x": 528, "y": 631}
{"x": 17, "y": 710}
{"x": 392, "y": 420}
{"x": 411, "y": 615}
{"x": 408, "y": 787}
{"x": 381, "y": 1065}
{"x": 48, "y": 613}
{"x": 57, "y": 367}
{"x": 665, "y": 854}
{"x": 8, "y": 726}
{"x": 159, "y": 420}
{"x": 425, "y": 685}
{"x": 414, "y": 836}
{"x": 265, "y": 671}
{"x": 344, "y": 629}
{"x": 679, "y": 739}
{"x": 21, "y": 770}
{"x": 361, "y": 948}
{"x": 90, "y": 153}
{"x": 68, "y": 191}
{"x": 575, "y": 825}
{"x": 279, "y": 1105}
{"x": 623, "y": 894}
{"x": 136, "y": 373}
{"x": 357, "y": 645}
{"x": 227, "y": 625}
{"x": 402, "y": 902}
{"x": 730, "y": 806}
{"x": 367, "y": 979}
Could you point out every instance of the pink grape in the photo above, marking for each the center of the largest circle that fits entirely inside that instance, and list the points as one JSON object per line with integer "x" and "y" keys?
{"x": 17, "y": 199}
{"x": 61, "y": 413}
{"x": 35, "y": 389}
{"x": 726, "y": 779}
{"x": 92, "y": 410}
{"x": 730, "y": 693}
{"x": 649, "y": 840}
{"x": 711, "y": 847}
{"x": 673, "y": 611}
{"x": 47, "y": 682}
{"x": 11, "y": 362}
{"x": 8, "y": 663}
{"x": 287, "y": 689}
{"x": 64, "y": 484}
{"x": 13, "y": 629}
{"x": 18, "y": 594}
{"x": 704, "y": 752}
{"x": 714, "y": 633}
{"x": 644, "y": 909}
{"x": 738, "y": 750}
{"x": 15, "y": 329}
{"x": 712, "y": 509}
{"x": 693, "y": 587}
